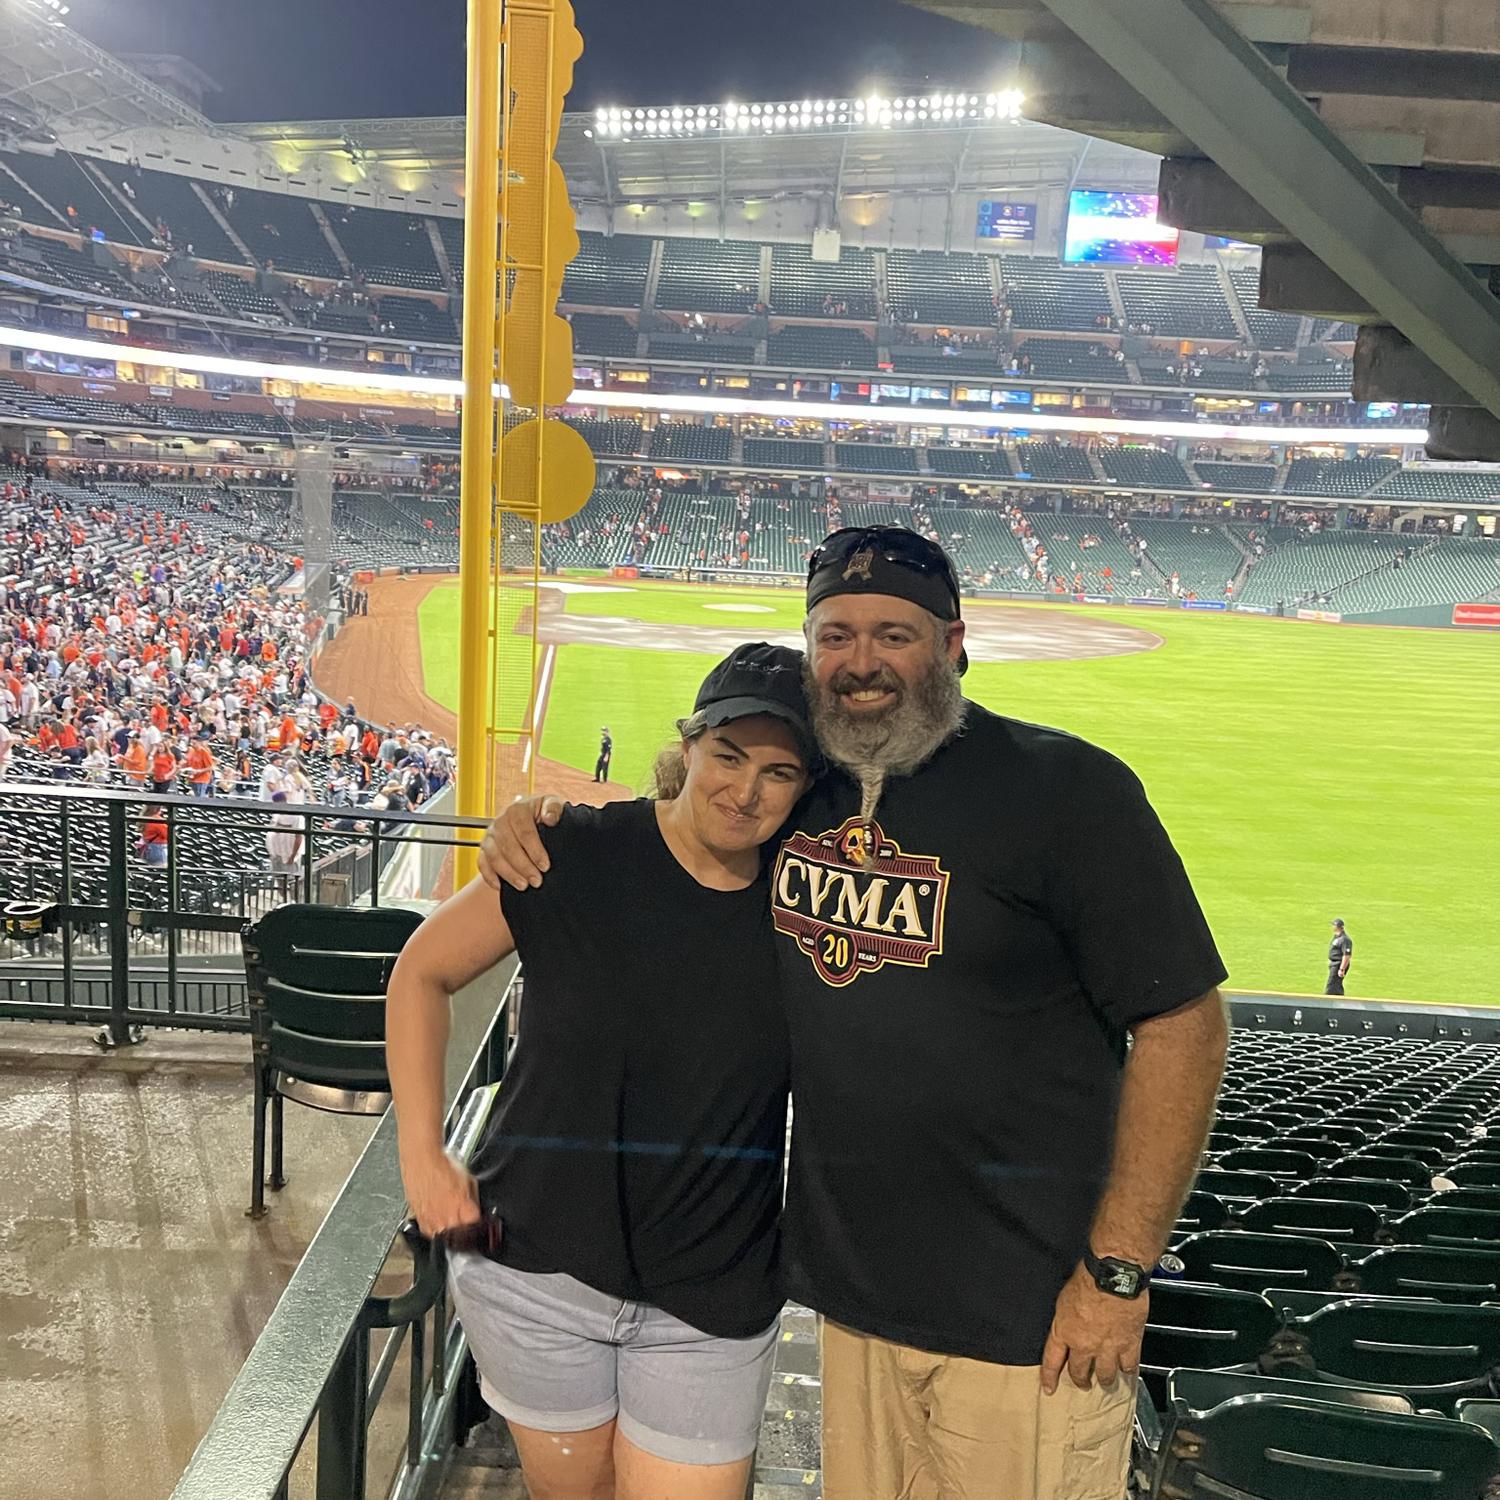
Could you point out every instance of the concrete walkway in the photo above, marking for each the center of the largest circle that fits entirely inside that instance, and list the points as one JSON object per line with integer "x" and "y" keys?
{"x": 131, "y": 1283}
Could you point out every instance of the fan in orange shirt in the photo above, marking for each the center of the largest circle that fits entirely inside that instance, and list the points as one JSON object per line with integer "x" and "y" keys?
{"x": 133, "y": 762}
{"x": 200, "y": 764}
{"x": 163, "y": 769}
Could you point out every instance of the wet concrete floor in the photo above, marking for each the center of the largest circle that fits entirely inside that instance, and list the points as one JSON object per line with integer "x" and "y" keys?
{"x": 131, "y": 1282}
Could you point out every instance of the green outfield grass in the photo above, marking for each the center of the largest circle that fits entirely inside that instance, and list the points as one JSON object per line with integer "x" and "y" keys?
{"x": 1304, "y": 771}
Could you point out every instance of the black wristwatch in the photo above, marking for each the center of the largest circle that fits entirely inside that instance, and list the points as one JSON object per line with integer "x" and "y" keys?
{"x": 1120, "y": 1278}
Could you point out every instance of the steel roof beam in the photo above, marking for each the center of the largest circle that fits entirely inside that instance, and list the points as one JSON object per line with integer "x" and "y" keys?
{"x": 1222, "y": 94}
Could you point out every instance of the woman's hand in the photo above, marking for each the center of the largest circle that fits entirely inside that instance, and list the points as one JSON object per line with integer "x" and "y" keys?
{"x": 512, "y": 852}
{"x": 442, "y": 1195}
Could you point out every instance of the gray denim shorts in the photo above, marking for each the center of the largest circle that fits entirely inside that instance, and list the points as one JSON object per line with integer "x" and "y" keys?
{"x": 558, "y": 1356}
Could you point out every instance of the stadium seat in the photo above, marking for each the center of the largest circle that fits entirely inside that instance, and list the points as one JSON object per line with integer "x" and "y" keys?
{"x": 1271, "y": 1159}
{"x": 608, "y": 271}
{"x": 1452, "y": 1275}
{"x": 316, "y": 978}
{"x": 1270, "y": 330}
{"x": 1430, "y": 1136}
{"x": 1398, "y": 1168}
{"x": 1286, "y": 1447}
{"x": 1432, "y": 1157}
{"x": 1186, "y": 303}
{"x": 940, "y": 288}
{"x": 1473, "y": 1174}
{"x": 1379, "y": 1193}
{"x": 1433, "y": 1353}
{"x": 1297, "y": 1302}
{"x": 1444, "y": 1225}
{"x": 1316, "y": 1146}
{"x": 1202, "y": 1326}
{"x": 1247, "y": 1126}
{"x": 1235, "y": 1258}
{"x": 1253, "y": 1185}
{"x": 1201, "y": 1211}
{"x": 1476, "y": 1153}
{"x": 1482, "y": 1413}
{"x": 1200, "y": 1390}
{"x": 1329, "y": 1218}
{"x": 1468, "y": 1197}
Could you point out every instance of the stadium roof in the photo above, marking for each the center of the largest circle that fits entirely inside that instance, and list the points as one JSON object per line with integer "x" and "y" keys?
{"x": 51, "y": 76}
{"x": 853, "y": 150}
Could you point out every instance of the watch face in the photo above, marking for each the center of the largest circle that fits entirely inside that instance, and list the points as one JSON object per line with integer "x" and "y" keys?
{"x": 1122, "y": 1281}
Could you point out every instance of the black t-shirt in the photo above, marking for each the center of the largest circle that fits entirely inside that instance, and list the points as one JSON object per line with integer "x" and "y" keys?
{"x": 1342, "y": 944}
{"x": 638, "y": 1139}
{"x": 959, "y": 982}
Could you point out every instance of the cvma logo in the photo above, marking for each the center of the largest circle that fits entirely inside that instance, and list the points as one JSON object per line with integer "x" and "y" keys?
{"x": 853, "y": 901}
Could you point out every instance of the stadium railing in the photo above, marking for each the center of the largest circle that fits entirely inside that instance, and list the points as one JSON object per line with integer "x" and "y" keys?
{"x": 318, "y": 1358}
{"x": 92, "y": 934}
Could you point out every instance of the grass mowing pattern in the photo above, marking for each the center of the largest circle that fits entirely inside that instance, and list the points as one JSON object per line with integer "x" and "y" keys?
{"x": 1305, "y": 771}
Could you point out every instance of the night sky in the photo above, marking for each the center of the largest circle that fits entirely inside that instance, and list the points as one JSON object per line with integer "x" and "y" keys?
{"x": 317, "y": 59}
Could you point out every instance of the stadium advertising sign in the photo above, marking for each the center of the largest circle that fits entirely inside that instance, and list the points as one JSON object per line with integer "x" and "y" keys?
{"x": 1005, "y": 221}
{"x": 1476, "y": 614}
{"x": 1150, "y": 603}
{"x": 1252, "y": 609}
{"x": 1204, "y": 604}
{"x": 1327, "y": 616}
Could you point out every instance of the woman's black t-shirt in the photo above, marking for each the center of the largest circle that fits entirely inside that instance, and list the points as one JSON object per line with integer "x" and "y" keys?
{"x": 637, "y": 1143}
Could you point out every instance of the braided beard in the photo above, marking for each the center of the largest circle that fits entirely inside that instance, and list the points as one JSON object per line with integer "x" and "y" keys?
{"x": 894, "y": 742}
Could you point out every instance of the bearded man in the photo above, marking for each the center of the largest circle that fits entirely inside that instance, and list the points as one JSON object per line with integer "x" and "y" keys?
{"x": 1007, "y": 1037}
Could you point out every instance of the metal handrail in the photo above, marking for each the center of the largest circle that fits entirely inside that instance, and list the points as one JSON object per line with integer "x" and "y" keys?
{"x": 131, "y": 930}
{"x": 312, "y": 1357}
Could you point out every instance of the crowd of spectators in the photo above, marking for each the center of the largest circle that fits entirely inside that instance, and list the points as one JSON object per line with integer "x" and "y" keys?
{"x": 140, "y": 651}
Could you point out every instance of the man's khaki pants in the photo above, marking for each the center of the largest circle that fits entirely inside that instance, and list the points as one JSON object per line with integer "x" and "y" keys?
{"x": 901, "y": 1424}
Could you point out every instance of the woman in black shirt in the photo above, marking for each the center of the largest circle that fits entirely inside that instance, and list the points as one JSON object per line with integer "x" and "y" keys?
{"x": 626, "y": 1325}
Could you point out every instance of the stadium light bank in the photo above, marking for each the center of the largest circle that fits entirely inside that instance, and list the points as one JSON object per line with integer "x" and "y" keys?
{"x": 874, "y": 112}
{"x": 717, "y": 406}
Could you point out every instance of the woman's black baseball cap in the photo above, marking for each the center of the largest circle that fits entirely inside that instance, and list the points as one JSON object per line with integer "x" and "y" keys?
{"x": 758, "y": 678}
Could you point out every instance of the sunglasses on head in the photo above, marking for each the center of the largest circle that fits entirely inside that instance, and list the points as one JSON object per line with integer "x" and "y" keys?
{"x": 895, "y": 544}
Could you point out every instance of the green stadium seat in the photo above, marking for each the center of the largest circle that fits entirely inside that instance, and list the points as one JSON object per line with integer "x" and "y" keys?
{"x": 1481, "y": 1412}
{"x": 1474, "y": 1174}
{"x": 1270, "y": 1159}
{"x": 316, "y": 979}
{"x": 1379, "y": 1193}
{"x": 1468, "y": 1197}
{"x": 1317, "y": 1147}
{"x": 1201, "y": 1211}
{"x": 1331, "y": 1219}
{"x": 1247, "y": 1126}
{"x": 1253, "y": 1185}
{"x": 1431, "y": 1352}
{"x": 1431, "y": 1157}
{"x": 1476, "y": 1153}
{"x": 1199, "y": 1390}
{"x": 1432, "y": 1136}
{"x": 1235, "y": 1258}
{"x": 1202, "y": 1326}
{"x": 1284, "y": 1447}
{"x": 1443, "y": 1225}
{"x": 1293, "y": 1302}
{"x": 1397, "y": 1168}
{"x": 1450, "y": 1274}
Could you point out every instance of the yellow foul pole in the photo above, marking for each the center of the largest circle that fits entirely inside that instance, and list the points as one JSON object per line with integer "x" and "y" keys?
{"x": 477, "y": 437}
